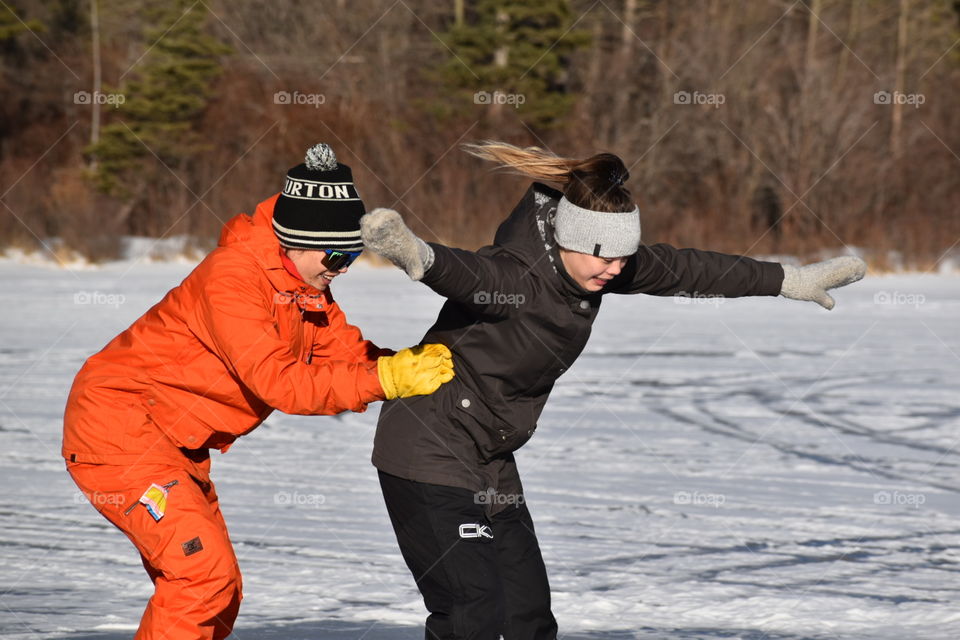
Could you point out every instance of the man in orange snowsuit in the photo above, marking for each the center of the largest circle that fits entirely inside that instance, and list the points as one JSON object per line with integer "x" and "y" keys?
{"x": 252, "y": 329}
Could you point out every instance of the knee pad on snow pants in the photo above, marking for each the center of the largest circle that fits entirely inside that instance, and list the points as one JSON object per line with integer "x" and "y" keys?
{"x": 480, "y": 577}
{"x": 186, "y": 552}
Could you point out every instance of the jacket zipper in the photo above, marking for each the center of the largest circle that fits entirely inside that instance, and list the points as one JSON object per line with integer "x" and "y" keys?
{"x": 309, "y": 332}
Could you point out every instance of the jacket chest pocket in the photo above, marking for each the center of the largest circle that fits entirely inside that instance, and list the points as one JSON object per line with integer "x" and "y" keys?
{"x": 293, "y": 330}
{"x": 553, "y": 360}
{"x": 492, "y": 435}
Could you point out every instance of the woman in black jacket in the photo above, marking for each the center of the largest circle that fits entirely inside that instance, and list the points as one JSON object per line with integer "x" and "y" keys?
{"x": 518, "y": 313}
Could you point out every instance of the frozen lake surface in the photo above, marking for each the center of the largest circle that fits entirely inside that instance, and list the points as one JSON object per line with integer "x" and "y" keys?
{"x": 755, "y": 468}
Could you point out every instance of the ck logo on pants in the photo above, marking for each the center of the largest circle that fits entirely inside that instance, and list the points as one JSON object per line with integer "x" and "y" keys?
{"x": 474, "y": 530}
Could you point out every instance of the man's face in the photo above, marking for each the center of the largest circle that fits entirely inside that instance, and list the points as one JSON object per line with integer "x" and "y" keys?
{"x": 310, "y": 265}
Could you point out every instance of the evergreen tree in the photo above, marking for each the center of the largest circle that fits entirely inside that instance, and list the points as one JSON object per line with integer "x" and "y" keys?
{"x": 171, "y": 89}
{"x": 520, "y": 48}
{"x": 17, "y": 51}
{"x": 11, "y": 24}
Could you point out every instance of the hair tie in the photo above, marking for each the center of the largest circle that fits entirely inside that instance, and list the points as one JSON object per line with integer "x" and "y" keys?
{"x": 618, "y": 178}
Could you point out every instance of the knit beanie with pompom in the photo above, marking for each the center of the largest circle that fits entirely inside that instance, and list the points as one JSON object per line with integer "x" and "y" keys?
{"x": 319, "y": 207}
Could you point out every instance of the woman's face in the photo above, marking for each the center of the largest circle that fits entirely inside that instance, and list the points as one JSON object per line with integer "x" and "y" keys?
{"x": 590, "y": 272}
{"x": 310, "y": 265}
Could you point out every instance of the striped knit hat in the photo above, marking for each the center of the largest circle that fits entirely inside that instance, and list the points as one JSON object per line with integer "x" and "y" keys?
{"x": 319, "y": 207}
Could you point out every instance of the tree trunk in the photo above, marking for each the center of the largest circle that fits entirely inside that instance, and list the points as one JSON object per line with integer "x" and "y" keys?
{"x": 813, "y": 24}
{"x": 594, "y": 84}
{"x": 94, "y": 103}
{"x": 853, "y": 29}
{"x": 808, "y": 164}
{"x": 501, "y": 56}
{"x": 896, "y": 123}
{"x": 621, "y": 97}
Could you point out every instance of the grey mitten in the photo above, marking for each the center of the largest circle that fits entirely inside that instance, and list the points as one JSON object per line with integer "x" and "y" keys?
{"x": 812, "y": 281}
{"x": 384, "y": 232}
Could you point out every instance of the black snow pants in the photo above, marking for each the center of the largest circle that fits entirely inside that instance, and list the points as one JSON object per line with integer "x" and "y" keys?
{"x": 481, "y": 578}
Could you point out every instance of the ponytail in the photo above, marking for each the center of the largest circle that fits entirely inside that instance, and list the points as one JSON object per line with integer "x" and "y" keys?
{"x": 594, "y": 183}
{"x": 532, "y": 162}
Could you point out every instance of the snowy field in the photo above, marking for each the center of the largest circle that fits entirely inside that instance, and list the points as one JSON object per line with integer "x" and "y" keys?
{"x": 757, "y": 469}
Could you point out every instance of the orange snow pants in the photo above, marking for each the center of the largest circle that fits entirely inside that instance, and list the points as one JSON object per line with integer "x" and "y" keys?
{"x": 187, "y": 552}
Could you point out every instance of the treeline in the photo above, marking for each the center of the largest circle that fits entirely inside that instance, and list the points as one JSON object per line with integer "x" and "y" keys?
{"x": 783, "y": 127}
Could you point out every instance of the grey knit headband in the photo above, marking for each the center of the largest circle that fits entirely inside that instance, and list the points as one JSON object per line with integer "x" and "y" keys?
{"x": 601, "y": 234}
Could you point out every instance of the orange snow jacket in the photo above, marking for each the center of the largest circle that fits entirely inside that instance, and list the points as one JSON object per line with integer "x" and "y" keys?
{"x": 238, "y": 338}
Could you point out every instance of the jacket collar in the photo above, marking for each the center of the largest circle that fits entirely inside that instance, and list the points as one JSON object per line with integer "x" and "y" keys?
{"x": 254, "y": 235}
{"x": 528, "y": 234}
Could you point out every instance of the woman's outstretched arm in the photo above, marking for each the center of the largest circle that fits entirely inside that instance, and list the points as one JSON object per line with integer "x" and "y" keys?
{"x": 664, "y": 270}
{"x": 490, "y": 284}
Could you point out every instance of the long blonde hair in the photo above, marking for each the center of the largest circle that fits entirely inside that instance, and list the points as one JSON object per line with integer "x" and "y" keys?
{"x": 594, "y": 183}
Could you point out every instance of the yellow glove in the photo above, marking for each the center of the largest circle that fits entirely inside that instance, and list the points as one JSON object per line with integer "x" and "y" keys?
{"x": 415, "y": 371}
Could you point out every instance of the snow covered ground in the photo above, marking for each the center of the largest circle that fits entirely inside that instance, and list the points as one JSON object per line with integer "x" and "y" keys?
{"x": 709, "y": 469}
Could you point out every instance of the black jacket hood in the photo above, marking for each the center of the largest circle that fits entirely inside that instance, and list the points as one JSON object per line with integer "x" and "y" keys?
{"x": 528, "y": 235}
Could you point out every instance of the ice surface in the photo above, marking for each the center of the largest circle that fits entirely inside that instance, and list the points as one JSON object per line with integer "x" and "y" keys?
{"x": 754, "y": 468}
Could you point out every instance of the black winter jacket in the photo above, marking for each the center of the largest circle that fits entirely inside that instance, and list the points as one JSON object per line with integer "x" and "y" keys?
{"x": 515, "y": 321}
